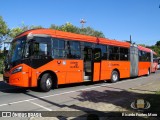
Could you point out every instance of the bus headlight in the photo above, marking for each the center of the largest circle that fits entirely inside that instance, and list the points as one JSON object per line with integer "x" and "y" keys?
{"x": 18, "y": 69}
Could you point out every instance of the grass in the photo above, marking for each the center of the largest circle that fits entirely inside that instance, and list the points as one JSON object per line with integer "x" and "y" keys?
{"x": 158, "y": 92}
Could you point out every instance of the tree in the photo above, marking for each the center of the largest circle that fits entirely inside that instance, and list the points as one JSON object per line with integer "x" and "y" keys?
{"x": 143, "y": 45}
{"x": 18, "y": 30}
{"x": 90, "y": 31}
{"x": 3, "y": 28}
{"x": 35, "y": 27}
{"x": 53, "y": 26}
{"x": 3, "y": 33}
{"x": 155, "y": 49}
{"x": 158, "y": 43}
{"x": 15, "y": 31}
{"x": 68, "y": 27}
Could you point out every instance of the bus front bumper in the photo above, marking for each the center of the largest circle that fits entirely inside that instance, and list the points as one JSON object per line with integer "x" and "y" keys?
{"x": 17, "y": 79}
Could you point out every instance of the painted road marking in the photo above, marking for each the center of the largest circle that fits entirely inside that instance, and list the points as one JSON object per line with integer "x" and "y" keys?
{"x": 16, "y": 102}
{"x": 40, "y": 106}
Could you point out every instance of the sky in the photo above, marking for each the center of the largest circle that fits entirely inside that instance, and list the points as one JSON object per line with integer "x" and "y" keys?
{"x": 117, "y": 19}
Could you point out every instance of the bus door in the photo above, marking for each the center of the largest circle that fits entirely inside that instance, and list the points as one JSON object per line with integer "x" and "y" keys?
{"x": 96, "y": 64}
{"x": 88, "y": 64}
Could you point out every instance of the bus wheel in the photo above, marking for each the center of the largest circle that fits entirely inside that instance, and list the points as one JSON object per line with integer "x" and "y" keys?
{"x": 114, "y": 76}
{"x": 46, "y": 82}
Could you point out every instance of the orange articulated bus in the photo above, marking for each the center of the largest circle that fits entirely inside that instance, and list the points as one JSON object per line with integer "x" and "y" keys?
{"x": 147, "y": 61}
{"x": 46, "y": 58}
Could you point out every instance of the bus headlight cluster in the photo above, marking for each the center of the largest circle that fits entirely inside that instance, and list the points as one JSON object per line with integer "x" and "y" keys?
{"x": 18, "y": 69}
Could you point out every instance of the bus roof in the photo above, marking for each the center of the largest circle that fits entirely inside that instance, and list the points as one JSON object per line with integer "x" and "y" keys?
{"x": 144, "y": 48}
{"x": 73, "y": 36}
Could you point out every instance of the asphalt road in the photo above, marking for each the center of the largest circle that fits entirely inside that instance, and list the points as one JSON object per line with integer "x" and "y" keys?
{"x": 20, "y": 99}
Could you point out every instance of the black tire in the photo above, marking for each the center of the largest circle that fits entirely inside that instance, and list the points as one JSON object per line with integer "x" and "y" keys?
{"x": 46, "y": 82}
{"x": 114, "y": 76}
{"x": 148, "y": 72}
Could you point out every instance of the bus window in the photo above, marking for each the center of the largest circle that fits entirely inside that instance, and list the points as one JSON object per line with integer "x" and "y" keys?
{"x": 113, "y": 53}
{"x": 103, "y": 51}
{"x": 39, "y": 47}
{"x": 97, "y": 54}
{"x": 148, "y": 57}
{"x": 144, "y": 56}
{"x": 58, "y": 48}
{"x": 124, "y": 53}
{"x": 87, "y": 51}
{"x": 73, "y": 50}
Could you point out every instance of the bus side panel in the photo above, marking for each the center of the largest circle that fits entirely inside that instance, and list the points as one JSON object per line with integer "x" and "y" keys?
{"x": 74, "y": 71}
{"x": 96, "y": 71}
{"x": 34, "y": 77}
{"x": 58, "y": 66}
{"x": 143, "y": 68}
{"x": 105, "y": 71}
{"x": 67, "y": 71}
{"x": 122, "y": 66}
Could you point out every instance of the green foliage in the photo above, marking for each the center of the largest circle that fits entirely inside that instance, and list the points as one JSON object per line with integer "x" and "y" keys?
{"x": 3, "y": 28}
{"x": 68, "y": 27}
{"x": 1, "y": 62}
{"x": 15, "y": 31}
{"x": 18, "y": 30}
{"x": 143, "y": 45}
{"x": 158, "y": 43}
{"x": 53, "y": 26}
{"x": 35, "y": 27}
{"x": 156, "y": 49}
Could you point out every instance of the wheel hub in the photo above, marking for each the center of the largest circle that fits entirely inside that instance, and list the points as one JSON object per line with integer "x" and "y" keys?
{"x": 48, "y": 82}
{"x": 115, "y": 77}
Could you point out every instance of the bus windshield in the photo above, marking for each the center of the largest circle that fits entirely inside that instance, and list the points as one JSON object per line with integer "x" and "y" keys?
{"x": 17, "y": 49}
